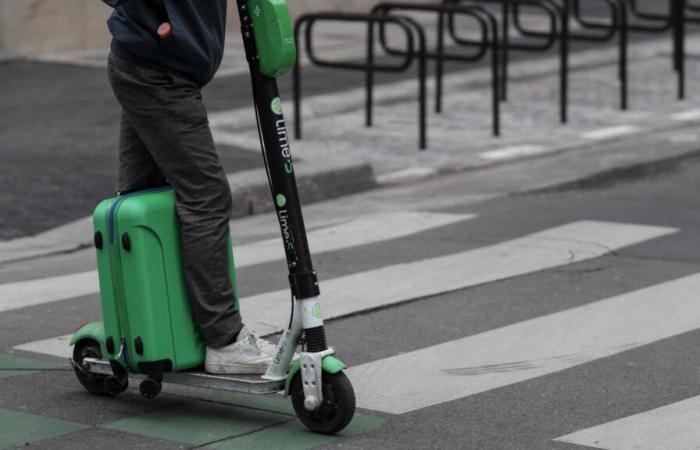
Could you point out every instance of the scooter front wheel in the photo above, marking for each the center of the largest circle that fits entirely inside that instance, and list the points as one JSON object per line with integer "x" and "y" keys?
{"x": 336, "y": 410}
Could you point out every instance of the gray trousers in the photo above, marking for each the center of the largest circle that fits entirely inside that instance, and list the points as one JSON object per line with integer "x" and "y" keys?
{"x": 165, "y": 137}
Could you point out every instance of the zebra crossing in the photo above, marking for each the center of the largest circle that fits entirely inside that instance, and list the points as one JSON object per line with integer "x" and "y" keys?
{"x": 478, "y": 363}
{"x": 673, "y": 426}
{"x": 375, "y": 228}
{"x": 526, "y": 350}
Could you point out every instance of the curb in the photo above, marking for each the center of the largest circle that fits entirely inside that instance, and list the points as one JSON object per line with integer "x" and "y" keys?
{"x": 643, "y": 148}
{"x": 576, "y": 167}
{"x": 250, "y": 192}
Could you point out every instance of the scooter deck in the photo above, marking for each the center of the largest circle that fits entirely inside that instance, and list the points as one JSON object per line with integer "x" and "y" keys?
{"x": 250, "y": 384}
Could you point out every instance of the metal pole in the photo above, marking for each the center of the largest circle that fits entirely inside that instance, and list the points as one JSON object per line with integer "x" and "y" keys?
{"x": 440, "y": 62}
{"x": 624, "y": 39}
{"x": 564, "y": 56}
{"x": 505, "y": 49}
{"x": 369, "y": 74}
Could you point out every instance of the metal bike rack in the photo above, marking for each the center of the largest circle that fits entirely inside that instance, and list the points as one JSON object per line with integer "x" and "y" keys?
{"x": 416, "y": 50}
{"x": 593, "y": 30}
{"x": 541, "y": 42}
{"x": 489, "y": 41}
{"x": 674, "y": 22}
{"x": 634, "y": 19}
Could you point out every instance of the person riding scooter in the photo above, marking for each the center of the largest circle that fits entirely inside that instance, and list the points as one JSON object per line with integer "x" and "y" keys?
{"x": 162, "y": 53}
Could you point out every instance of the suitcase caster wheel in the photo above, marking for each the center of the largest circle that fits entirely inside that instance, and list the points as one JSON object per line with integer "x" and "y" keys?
{"x": 150, "y": 388}
{"x": 114, "y": 385}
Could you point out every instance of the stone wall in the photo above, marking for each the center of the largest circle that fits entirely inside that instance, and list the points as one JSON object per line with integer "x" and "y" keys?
{"x": 29, "y": 27}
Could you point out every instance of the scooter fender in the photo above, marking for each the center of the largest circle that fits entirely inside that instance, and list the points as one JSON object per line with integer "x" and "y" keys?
{"x": 330, "y": 364}
{"x": 92, "y": 330}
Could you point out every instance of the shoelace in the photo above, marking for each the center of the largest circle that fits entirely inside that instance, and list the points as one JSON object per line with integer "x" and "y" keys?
{"x": 262, "y": 344}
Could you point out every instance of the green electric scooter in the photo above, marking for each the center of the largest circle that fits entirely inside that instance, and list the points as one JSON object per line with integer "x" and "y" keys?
{"x": 148, "y": 332}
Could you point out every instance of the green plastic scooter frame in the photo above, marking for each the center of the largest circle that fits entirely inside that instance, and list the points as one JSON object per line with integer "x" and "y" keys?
{"x": 94, "y": 331}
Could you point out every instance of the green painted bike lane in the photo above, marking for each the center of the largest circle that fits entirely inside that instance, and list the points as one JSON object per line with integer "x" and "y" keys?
{"x": 20, "y": 428}
{"x": 232, "y": 421}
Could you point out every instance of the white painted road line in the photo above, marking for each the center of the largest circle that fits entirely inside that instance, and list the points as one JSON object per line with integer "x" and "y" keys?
{"x": 236, "y": 139}
{"x": 575, "y": 242}
{"x": 517, "y": 151}
{"x": 672, "y": 427}
{"x": 682, "y": 138}
{"x": 411, "y": 173}
{"x": 390, "y": 285}
{"x": 529, "y": 349}
{"x": 45, "y": 290}
{"x": 58, "y": 346}
{"x": 368, "y": 229}
{"x": 687, "y": 116}
{"x": 610, "y": 132}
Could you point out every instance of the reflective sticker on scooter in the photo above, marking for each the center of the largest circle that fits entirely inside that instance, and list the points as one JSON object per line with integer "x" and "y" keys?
{"x": 281, "y": 200}
{"x": 276, "y": 106}
{"x": 316, "y": 311}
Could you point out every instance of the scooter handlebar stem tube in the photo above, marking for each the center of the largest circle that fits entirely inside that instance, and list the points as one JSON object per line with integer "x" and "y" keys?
{"x": 259, "y": 17}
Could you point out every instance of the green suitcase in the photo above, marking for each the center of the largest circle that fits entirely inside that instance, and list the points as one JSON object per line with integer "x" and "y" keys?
{"x": 146, "y": 310}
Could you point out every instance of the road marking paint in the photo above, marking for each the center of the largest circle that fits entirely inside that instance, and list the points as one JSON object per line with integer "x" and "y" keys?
{"x": 365, "y": 230}
{"x": 406, "y": 174}
{"x": 686, "y": 116}
{"x": 199, "y": 423}
{"x": 610, "y": 132}
{"x": 684, "y": 138}
{"x": 291, "y": 436}
{"x": 45, "y": 290}
{"x": 239, "y": 140}
{"x": 571, "y": 243}
{"x": 394, "y": 284}
{"x": 528, "y": 349}
{"x": 20, "y": 429}
{"x": 516, "y": 151}
{"x": 57, "y": 346}
{"x": 674, "y": 426}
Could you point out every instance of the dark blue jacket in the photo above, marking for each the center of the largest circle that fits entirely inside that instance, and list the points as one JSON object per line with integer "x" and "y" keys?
{"x": 195, "y": 48}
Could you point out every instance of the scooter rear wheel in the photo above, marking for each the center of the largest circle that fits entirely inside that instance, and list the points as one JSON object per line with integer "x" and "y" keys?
{"x": 336, "y": 410}
{"x": 94, "y": 384}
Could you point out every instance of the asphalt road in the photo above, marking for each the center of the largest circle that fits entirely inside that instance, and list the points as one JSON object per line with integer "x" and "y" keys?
{"x": 559, "y": 326}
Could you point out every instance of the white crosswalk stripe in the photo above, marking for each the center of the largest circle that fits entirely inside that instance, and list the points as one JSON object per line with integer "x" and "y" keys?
{"x": 558, "y": 246}
{"x": 56, "y": 346}
{"x": 529, "y": 349}
{"x": 571, "y": 243}
{"x": 673, "y": 426}
{"x": 365, "y": 230}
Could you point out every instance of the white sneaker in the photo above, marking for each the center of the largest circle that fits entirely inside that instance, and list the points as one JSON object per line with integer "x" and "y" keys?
{"x": 249, "y": 355}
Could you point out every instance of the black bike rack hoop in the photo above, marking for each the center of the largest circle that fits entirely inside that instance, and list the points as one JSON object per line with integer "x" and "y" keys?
{"x": 545, "y": 41}
{"x": 489, "y": 42}
{"x": 416, "y": 50}
{"x": 593, "y": 30}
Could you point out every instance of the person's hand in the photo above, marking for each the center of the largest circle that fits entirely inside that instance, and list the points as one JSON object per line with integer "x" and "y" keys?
{"x": 165, "y": 30}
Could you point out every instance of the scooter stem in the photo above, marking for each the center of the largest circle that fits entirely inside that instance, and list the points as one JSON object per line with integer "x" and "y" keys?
{"x": 274, "y": 139}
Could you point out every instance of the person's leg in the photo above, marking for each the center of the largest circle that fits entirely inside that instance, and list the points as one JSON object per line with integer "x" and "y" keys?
{"x": 137, "y": 170}
{"x": 169, "y": 117}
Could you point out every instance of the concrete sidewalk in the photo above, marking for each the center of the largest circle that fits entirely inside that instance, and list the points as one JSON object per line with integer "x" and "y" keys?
{"x": 460, "y": 138}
